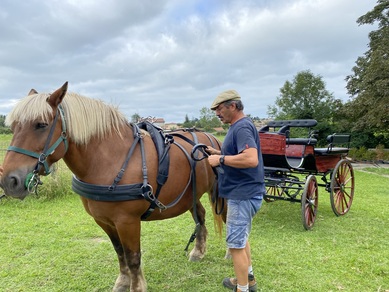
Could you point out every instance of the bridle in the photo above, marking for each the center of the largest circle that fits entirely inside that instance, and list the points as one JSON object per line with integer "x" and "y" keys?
{"x": 32, "y": 179}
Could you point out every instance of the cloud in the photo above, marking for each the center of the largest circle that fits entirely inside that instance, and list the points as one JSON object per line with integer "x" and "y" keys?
{"x": 171, "y": 58}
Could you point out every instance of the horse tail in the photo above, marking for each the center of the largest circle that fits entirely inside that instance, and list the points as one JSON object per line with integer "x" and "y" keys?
{"x": 219, "y": 212}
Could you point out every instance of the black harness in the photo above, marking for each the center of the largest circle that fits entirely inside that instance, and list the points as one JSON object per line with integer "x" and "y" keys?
{"x": 128, "y": 192}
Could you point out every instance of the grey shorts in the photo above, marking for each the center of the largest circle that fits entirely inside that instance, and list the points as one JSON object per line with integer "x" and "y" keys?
{"x": 240, "y": 215}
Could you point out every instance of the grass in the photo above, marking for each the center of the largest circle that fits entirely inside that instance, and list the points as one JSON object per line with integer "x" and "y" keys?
{"x": 49, "y": 243}
{"x": 378, "y": 170}
{"x": 6, "y": 138}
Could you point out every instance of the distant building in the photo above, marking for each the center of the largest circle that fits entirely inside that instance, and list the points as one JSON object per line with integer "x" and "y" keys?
{"x": 171, "y": 126}
{"x": 160, "y": 122}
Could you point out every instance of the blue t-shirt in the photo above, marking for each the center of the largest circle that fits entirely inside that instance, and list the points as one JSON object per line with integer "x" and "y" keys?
{"x": 242, "y": 183}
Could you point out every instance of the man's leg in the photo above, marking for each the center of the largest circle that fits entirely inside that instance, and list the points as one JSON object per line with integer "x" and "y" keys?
{"x": 248, "y": 253}
{"x": 241, "y": 264}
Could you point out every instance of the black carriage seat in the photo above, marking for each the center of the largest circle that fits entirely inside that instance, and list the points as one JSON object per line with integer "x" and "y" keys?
{"x": 292, "y": 123}
{"x": 285, "y": 126}
{"x": 301, "y": 141}
{"x": 337, "y": 144}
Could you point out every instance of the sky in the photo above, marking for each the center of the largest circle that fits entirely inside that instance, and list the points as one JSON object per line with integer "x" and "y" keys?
{"x": 170, "y": 58}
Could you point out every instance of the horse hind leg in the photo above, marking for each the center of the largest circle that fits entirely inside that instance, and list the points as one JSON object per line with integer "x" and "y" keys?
{"x": 199, "y": 249}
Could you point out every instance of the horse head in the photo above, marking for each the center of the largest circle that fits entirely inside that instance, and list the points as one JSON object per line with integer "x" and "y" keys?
{"x": 39, "y": 140}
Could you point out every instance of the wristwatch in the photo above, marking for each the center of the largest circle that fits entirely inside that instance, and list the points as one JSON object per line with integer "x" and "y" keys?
{"x": 221, "y": 159}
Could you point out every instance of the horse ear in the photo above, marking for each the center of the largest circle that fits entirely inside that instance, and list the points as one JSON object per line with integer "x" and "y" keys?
{"x": 57, "y": 96}
{"x": 32, "y": 91}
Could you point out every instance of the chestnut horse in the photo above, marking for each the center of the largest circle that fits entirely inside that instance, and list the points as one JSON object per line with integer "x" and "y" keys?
{"x": 118, "y": 172}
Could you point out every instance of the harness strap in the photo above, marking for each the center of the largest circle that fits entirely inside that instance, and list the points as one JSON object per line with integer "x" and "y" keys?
{"x": 194, "y": 190}
{"x": 104, "y": 193}
{"x": 184, "y": 138}
{"x": 154, "y": 204}
{"x": 119, "y": 176}
{"x": 215, "y": 193}
{"x": 155, "y": 201}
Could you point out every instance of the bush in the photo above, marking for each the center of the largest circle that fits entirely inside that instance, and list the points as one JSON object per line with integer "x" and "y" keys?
{"x": 380, "y": 150}
{"x": 56, "y": 185}
{"x": 364, "y": 154}
{"x": 5, "y": 130}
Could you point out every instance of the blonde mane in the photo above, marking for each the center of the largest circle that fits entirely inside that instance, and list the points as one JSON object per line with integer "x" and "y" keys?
{"x": 85, "y": 117}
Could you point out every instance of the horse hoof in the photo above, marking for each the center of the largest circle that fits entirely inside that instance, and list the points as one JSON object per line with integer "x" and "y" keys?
{"x": 195, "y": 256}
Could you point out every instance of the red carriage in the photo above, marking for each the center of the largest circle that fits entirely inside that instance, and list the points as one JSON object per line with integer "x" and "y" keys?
{"x": 292, "y": 164}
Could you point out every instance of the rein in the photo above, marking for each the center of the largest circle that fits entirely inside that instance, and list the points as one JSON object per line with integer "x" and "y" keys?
{"x": 217, "y": 170}
{"x": 32, "y": 180}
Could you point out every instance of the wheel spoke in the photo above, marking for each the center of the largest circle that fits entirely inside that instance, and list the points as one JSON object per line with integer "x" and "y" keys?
{"x": 339, "y": 202}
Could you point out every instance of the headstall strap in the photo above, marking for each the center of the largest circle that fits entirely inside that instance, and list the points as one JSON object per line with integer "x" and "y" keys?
{"x": 32, "y": 180}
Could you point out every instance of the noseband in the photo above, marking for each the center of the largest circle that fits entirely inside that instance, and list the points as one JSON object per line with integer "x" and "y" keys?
{"x": 32, "y": 180}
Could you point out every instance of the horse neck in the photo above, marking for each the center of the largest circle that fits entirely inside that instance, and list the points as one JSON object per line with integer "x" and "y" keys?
{"x": 100, "y": 159}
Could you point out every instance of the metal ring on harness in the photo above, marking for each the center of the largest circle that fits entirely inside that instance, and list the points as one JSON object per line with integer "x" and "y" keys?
{"x": 148, "y": 194}
{"x": 147, "y": 190}
{"x": 32, "y": 182}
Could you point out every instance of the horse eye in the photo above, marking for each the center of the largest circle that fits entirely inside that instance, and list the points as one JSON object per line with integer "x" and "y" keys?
{"x": 41, "y": 125}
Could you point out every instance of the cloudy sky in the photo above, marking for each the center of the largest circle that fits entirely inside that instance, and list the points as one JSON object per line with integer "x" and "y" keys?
{"x": 170, "y": 58}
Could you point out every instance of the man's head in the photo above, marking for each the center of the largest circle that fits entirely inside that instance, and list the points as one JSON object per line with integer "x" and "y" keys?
{"x": 225, "y": 96}
{"x": 228, "y": 106}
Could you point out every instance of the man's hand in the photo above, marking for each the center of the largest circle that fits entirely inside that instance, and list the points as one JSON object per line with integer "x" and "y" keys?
{"x": 214, "y": 160}
{"x": 212, "y": 151}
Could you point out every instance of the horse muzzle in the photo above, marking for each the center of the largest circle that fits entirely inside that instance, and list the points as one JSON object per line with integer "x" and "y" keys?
{"x": 14, "y": 184}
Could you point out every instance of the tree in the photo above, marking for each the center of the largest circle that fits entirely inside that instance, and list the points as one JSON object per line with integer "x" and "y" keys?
{"x": 369, "y": 83}
{"x": 188, "y": 123}
{"x": 135, "y": 118}
{"x": 307, "y": 98}
{"x": 2, "y": 120}
{"x": 208, "y": 121}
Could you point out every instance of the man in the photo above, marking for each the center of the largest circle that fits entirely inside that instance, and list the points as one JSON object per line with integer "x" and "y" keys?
{"x": 242, "y": 184}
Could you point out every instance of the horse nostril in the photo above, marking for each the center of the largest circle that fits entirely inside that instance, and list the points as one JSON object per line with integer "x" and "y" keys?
{"x": 14, "y": 181}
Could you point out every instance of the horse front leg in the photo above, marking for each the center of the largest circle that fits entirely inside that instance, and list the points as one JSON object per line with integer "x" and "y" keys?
{"x": 123, "y": 282}
{"x": 199, "y": 249}
{"x": 129, "y": 234}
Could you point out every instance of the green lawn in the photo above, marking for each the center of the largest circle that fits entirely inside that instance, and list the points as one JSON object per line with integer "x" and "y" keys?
{"x": 49, "y": 243}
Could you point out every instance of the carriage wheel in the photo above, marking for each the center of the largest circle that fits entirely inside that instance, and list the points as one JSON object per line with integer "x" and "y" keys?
{"x": 309, "y": 202}
{"x": 342, "y": 187}
{"x": 291, "y": 190}
{"x": 275, "y": 191}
